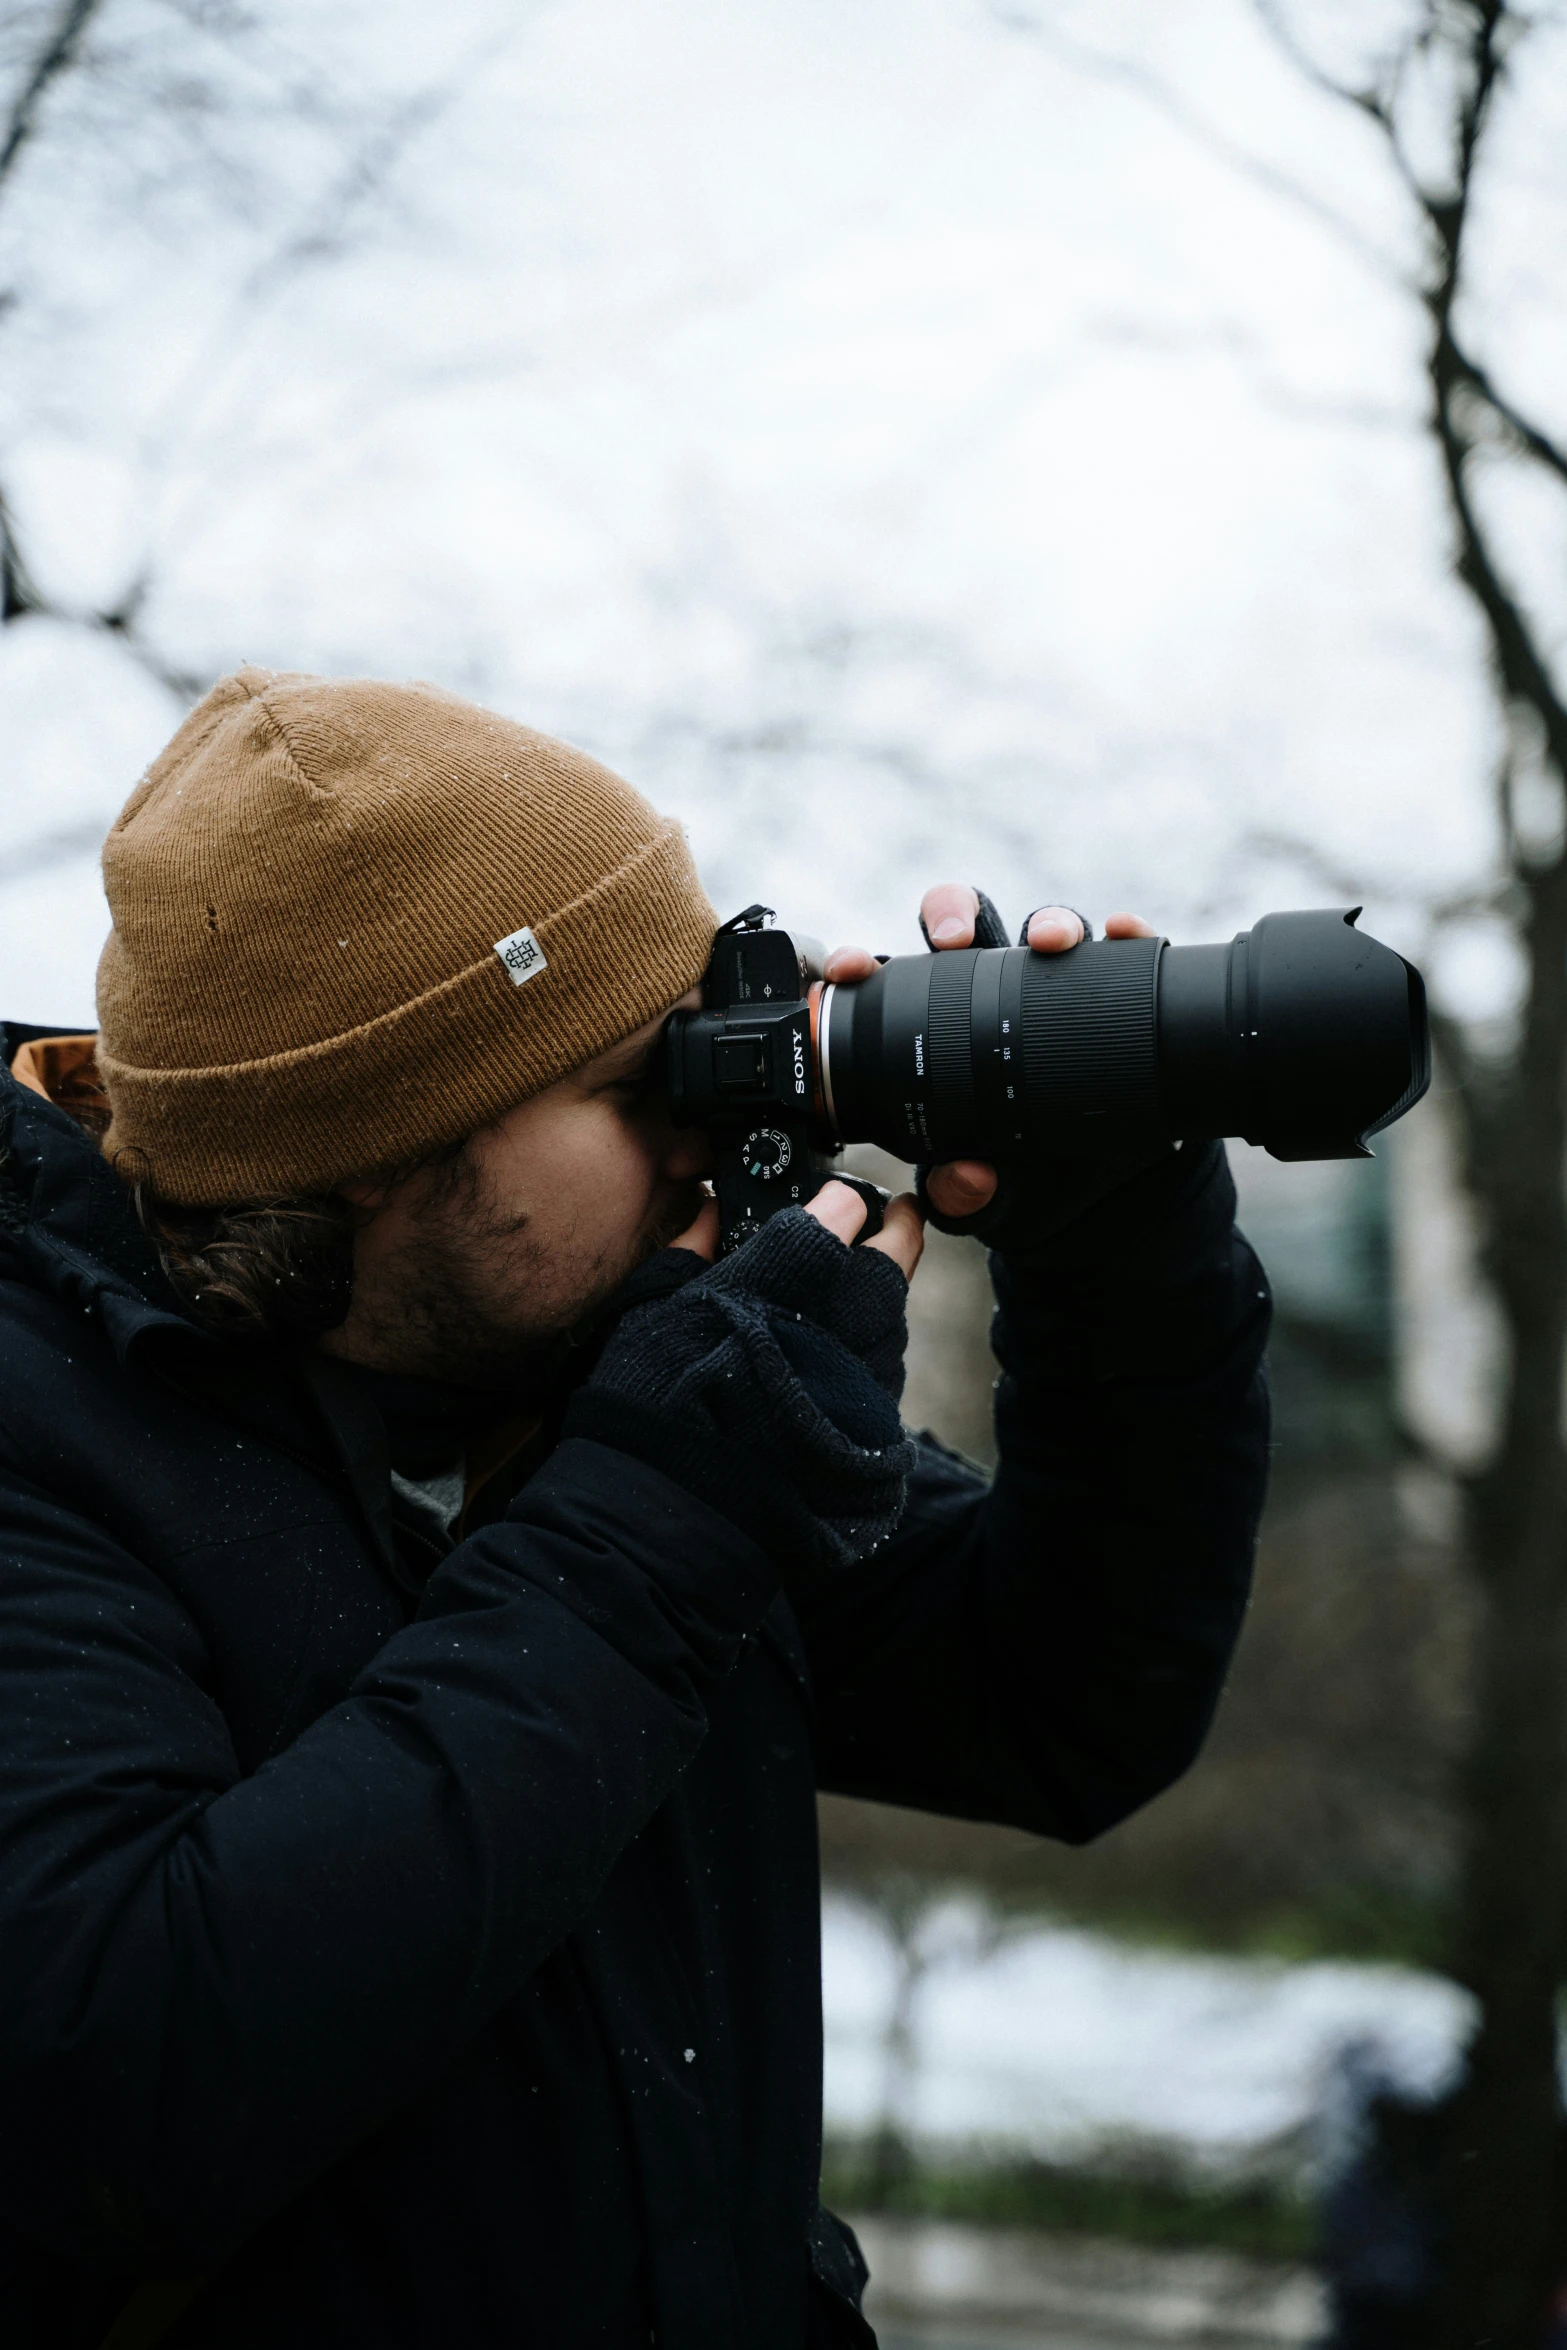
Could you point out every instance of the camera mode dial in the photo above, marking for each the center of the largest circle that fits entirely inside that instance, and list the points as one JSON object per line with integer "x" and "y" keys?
{"x": 767, "y": 1153}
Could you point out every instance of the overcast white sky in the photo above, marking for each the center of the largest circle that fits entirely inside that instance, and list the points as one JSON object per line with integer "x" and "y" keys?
{"x": 901, "y": 435}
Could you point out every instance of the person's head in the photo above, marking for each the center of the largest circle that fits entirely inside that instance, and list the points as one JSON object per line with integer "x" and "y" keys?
{"x": 385, "y": 975}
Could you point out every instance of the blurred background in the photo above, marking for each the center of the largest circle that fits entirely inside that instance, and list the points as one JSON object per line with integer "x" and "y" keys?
{"x": 1102, "y": 451}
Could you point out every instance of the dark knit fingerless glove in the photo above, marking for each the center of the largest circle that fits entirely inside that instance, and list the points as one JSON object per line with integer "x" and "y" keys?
{"x": 1038, "y": 1200}
{"x": 767, "y": 1385}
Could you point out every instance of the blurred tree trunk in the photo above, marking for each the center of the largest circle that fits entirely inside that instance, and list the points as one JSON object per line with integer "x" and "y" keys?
{"x": 1502, "y": 2258}
{"x": 1508, "y": 1927}
{"x": 1508, "y": 1938}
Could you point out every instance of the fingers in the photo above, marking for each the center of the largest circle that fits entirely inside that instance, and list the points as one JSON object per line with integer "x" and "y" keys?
{"x": 962, "y": 1187}
{"x": 848, "y": 963}
{"x": 902, "y": 1234}
{"x": 838, "y": 1207}
{"x": 947, "y": 914}
{"x": 1053, "y": 929}
{"x": 701, "y": 1238}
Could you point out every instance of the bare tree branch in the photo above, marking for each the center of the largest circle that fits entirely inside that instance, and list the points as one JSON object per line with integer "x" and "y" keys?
{"x": 1488, "y": 19}
{"x": 1521, "y": 663}
{"x": 386, "y": 134}
{"x": 1105, "y": 65}
{"x": 57, "y": 56}
{"x": 1377, "y": 99}
{"x": 323, "y": 235}
{"x": 1466, "y": 905}
{"x": 21, "y": 598}
{"x": 19, "y": 594}
{"x": 1531, "y": 439}
{"x": 1445, "y": 215}
{"x": 368, "y": 172}
{"x": 1295, "y": 849}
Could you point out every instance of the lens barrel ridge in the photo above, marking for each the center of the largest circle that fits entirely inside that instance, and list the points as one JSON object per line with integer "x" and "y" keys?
{"x": 1091, "y": 1033}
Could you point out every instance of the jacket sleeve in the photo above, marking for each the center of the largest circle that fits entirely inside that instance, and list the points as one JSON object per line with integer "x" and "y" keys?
{"x": 215, "y": 1984}
{"x": 1048, "y": 1650}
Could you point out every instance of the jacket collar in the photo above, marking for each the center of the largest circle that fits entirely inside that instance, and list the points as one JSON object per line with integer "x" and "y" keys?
{"x": 72, "y": 1223}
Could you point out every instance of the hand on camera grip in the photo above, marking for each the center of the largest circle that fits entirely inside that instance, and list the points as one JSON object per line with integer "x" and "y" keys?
{"x": 767, "y": 1385}
{"x": 874, "y": 1198}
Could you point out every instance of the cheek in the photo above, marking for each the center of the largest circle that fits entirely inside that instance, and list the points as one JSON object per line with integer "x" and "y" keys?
{"x": 604, "y": 1172}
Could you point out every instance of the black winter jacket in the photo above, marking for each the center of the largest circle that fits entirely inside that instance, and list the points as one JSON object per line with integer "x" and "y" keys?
{"x": 439, "y": 1965}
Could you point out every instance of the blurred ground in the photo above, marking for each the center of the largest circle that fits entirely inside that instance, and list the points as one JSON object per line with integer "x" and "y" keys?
{"x": 1076, "y": 2079}
{"x": 945, "y": 2287}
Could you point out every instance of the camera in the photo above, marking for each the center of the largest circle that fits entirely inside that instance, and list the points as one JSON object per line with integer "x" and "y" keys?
{"x": 1303, "y": 1034}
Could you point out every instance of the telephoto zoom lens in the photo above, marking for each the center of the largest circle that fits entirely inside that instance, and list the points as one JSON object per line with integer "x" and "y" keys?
{"x": 1302, "y": 1034}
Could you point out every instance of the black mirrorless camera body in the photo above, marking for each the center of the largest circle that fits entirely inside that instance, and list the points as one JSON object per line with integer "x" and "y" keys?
{"x": 1303, "y": 1035}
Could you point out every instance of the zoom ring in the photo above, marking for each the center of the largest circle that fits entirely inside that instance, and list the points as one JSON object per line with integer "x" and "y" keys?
{"x": 1090, "y": 1033}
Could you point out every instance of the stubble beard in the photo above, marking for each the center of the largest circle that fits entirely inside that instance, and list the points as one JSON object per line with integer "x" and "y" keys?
{"x": 477, "y": 1299}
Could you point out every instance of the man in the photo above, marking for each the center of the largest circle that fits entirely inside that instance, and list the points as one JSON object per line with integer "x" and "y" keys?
{"x": 429, "y": 1599}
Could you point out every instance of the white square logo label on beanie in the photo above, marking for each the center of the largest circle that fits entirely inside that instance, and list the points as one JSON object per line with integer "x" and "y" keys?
{"x": 521, "y": 954}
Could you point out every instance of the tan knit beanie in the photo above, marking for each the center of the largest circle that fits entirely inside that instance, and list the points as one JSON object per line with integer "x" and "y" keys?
{"x": 353, "y": 921}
